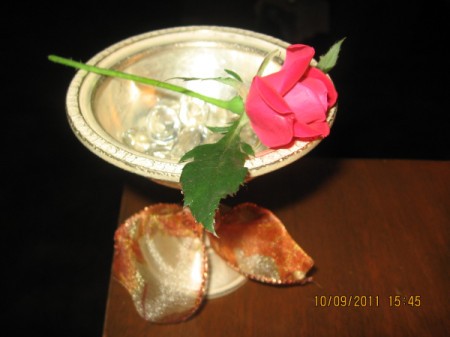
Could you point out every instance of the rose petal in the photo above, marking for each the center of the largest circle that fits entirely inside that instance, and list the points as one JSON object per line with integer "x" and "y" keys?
{"x": 272, "y": 98}
{"x": 332, "y": 94}
{"x": 312, "y": 130}
{"x": 255, "y": 242}
{"x": 298, "y": 59}
{"x": 271, "y": 128}
{"x": 160, "y": 259}
{"x": 308, "y": 100}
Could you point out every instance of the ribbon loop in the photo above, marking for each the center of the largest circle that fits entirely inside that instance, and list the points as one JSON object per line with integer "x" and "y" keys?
{"x": 160, "y": 259}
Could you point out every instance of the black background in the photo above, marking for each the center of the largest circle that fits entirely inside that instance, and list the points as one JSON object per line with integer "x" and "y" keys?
{"x": 61, "y": 202}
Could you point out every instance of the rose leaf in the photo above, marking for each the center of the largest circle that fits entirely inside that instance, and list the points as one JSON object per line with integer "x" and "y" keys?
{"x": 329, "y": 60}
{"x": 214, "y": 172}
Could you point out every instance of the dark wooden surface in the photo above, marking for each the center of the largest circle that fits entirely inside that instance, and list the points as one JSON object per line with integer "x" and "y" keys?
{"x": 375, "y": 228}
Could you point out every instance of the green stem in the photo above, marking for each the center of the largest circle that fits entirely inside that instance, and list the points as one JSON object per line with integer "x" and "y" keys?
{"x": 234, "y": 105}
{"x": 236, "y": 129}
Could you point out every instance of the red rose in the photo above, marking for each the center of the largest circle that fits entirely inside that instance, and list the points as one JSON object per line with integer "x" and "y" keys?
{"x": 291, "y": 103}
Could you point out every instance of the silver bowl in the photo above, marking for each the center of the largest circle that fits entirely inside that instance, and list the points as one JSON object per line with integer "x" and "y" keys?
{"x": 111, "y": 116}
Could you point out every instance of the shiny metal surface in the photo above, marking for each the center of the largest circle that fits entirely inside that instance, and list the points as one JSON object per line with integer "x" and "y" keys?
{"x": 100, "y": 110}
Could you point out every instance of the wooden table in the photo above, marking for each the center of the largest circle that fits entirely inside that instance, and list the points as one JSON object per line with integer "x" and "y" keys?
{"x": 378, "y": 231}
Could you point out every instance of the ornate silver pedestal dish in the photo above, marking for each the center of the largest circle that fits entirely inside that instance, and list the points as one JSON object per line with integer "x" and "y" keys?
{"x": 146, "y": 130}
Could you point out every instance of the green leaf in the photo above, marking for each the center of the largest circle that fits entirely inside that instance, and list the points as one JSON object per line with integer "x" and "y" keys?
{"x": 246, "y": 148}
{"x": 236, "y": 83}
{"x": 216, "y": 171}
{"x": 233, "y": 74}
{"x": 218, "y": 129}
{"x": 232, "y": 82}
{"x": 328, "y": 61}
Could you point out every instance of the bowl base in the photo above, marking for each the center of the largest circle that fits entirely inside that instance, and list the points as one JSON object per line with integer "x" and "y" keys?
{"x": 222, "y": 279}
